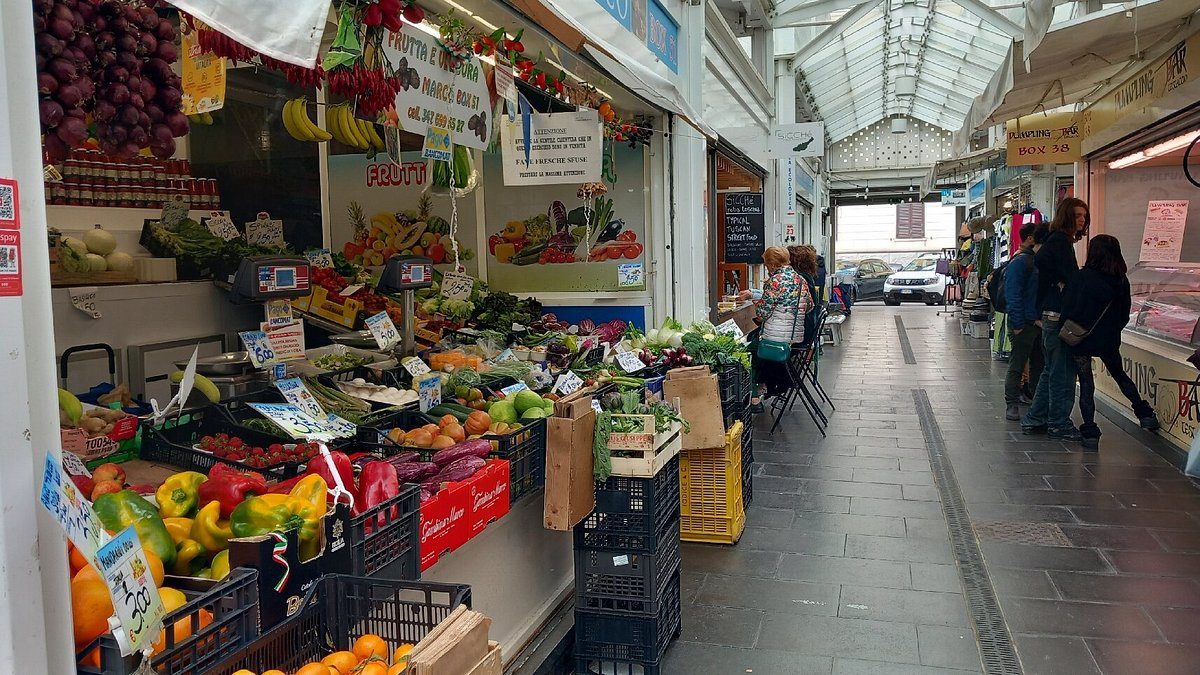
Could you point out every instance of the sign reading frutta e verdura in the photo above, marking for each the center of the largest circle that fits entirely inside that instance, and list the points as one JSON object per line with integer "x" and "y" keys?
{"x": 745, "y": 227}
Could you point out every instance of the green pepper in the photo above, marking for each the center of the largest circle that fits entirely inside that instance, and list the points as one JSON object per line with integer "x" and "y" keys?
{"x": 177, "y": 496}
{"x": 119, "y": 510}
{"x": 279, "y": 513}
{"x": 187, "y": 554}
{"x": 220, "y": 566}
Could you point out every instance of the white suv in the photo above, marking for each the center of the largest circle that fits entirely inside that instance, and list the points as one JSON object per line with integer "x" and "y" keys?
{"x": 917, "y": 282}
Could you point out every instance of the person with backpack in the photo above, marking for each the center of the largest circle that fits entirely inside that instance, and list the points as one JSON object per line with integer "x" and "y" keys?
{"x": 1016, "y": 295}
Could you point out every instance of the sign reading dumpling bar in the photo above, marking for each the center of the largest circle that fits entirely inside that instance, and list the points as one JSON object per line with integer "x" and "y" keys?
{"x": 1043, "y": 139}
{"x": 563, "y": 148}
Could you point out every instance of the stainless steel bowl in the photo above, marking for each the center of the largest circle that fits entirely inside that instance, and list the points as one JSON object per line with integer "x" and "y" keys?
{"x": 229, "y": 363}
{"x": 361, "y": 339}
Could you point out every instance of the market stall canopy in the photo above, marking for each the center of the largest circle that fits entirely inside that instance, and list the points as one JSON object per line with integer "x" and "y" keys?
{"x": 1074, "y": 61}
{"x": 971, "y": 162}
{"x": 637, "y": 78}
{"x": 287, "y": 30}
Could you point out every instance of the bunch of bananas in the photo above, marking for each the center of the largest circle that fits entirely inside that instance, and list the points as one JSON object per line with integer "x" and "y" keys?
{"x": 298, "y": 124}
{"x": 204, "y": 118}
{"x": 351, "y": 131}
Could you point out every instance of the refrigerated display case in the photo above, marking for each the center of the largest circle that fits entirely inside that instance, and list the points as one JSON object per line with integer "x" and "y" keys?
{"x": 1166, "y": 302}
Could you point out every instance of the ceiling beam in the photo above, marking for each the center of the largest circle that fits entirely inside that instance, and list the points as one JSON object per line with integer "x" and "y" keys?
{"x": 788, "y": 13}
{"x": 831, "y": 33}
{"x": 996, "y": 19}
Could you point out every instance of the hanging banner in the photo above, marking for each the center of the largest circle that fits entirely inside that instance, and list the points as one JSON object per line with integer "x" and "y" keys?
{"x": 1162, "y": 238}
{"x": 441, "y": 92}
{"x": 564, "y": 148}
{"x": 1043, "y": 139}
{"x": 805, "y": 139}
{"x": 203, "y": 75}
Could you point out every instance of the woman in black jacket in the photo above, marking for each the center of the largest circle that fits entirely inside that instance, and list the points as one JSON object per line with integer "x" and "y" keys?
{"x": 1098, "y": 298}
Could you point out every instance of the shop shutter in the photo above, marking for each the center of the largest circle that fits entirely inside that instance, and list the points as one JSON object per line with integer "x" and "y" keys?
{"x": 910, "y": 221}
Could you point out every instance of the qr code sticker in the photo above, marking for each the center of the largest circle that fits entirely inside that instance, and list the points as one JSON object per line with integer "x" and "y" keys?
{"x": 8, "y": 203}
{"x": 8, "y": 260}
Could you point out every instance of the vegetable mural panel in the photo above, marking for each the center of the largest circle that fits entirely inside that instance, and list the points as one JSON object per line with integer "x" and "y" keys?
{"x": 378, "y": 209}
{"x": 572, "y": 238}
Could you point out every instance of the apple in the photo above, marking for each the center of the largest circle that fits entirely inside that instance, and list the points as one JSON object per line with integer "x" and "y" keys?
{"x": 109, "y": 471}
{"x": 104, "y": 487}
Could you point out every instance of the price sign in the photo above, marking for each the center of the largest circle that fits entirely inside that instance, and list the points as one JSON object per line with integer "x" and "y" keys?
{"x": 415, "y": 367}
{"x": 71, "y": 509}
{"x": 506, "y": 86}
{"x": 506, "y": 355}
{"x": 258, "y": 346}
{"x": 297, "y": 394}
{"x": 265, "y": 231}
{"x": 630, "y": 362}
{"x": 219, "y": 223}
{"x": 457, "y": 286}
{"x": 319, "y": 258}
{"x": 383, "y": 330}
{"x": 340, "y": 427}
{"x": 730, "y": 327}
{"x": 123, "y": 566}
{"x": 278, "y": 312}
{"x": 278, "y": 371}
{"x": 429, "y": 389}
{"x": 294, "y": 421}
{"x": 514, "y": 388}
{"x": 287, "y": 340}
{"x": 350, "y": 290}
{"x": 74, "y": 465}
{"x": 568, "y": 383}
{"x": 596, "y": 406}
{"x": 84, "y": 300}
{"x": 438, "y": 145}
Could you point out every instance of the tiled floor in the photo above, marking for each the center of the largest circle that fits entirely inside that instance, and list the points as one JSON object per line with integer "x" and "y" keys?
{"x": 846, "y": 566}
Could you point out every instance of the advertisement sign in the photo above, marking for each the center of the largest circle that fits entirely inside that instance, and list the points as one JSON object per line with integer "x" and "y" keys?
{"x": 565, "y": 148}
{"x": 1139, "y": 92}
{"x": 1043, "y": 139}
{"x": 1162, "y": 237}
{"x": 954, "y": 197}
{"x": 651, "y": 23}
{"x": 442, "y": 93}
{"x": 203, "y": 75}
{"x": 787, "y": 199}
{"x": 10, "y": 262}
{"x": 975, "y": 192}
{"x": 1169, "y": 386}
{"x": 806, "y": 139}
{"x": 745, "y": 227}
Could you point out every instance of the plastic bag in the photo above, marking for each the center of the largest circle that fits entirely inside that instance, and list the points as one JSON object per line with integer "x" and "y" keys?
{"x": 1192, "y": 468}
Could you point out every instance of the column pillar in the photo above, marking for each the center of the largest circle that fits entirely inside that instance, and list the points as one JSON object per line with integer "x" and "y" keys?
{"x": 691, "y": 254}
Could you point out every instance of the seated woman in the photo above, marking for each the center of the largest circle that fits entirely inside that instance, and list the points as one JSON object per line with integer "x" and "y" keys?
{"x": 786, "y": 297}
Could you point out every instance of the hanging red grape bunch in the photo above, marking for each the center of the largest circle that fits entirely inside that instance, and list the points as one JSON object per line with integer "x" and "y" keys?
{"x": 109, "y": 59}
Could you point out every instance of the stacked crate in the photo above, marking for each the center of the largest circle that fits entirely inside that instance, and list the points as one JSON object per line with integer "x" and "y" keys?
{"x": 627, "y": 595}
{"x": 735, "y": 386}
{"x": 710, "y": 492}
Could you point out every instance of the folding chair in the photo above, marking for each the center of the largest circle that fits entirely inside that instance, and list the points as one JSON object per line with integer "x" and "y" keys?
{"x": 810, "y": 367}
{"x": 795, "y": 366}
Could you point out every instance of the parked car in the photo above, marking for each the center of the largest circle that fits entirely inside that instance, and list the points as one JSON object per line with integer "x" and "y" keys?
{"x": 869, "y": 275}
{"x": 917, "y": 282}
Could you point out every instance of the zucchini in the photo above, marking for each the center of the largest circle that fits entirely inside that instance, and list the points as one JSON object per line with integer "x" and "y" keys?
{"x": 529, "y": 254}
{"x": 460, "y": 408}
{"x": 442, "y": 410}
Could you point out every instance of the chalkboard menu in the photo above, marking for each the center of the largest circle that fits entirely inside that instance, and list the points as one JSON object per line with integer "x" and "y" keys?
{"x": 745, "y": 227}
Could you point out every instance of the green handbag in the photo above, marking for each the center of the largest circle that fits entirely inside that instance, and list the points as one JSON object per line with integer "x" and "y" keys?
{"x": 774, "y": 350}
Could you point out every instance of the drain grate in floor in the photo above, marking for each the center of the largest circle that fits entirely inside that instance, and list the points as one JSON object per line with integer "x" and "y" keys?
{"x": 905, "y": 345}
{"x": 1013, "y": 532}
{"x": 996, "y": 650}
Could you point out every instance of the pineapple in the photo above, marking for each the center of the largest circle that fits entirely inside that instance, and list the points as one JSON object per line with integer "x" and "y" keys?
{"x": 357, "y": 220}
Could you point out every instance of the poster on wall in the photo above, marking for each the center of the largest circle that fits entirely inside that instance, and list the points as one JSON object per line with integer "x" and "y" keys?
{"x": 440, "y": 92}
{"x": 565, "y": 148}
{"x": 1162, "y": 238}
{"x": 378, "y": 209}
{"x": 567, "y": 238}
{"x": 745, "y": 227}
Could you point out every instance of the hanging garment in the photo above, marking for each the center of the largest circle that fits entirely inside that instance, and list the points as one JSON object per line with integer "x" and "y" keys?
{"x": 1030, "y": 216}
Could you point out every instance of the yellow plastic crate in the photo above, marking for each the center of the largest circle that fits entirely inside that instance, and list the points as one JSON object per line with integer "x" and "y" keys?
{"x": 713, "y": 529}
{"x": 710, "y": 481}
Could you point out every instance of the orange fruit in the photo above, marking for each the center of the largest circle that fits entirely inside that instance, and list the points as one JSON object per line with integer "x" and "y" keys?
{"x": 273, "y": 672}
{"x": 401, "y": 653}
{"x": 314, "y": 669}
{"x": 183, "y": 629}
{"x": 373, "y": 668}
{"x": 243, "y": 671}
{"x": 343, "y": 661}
{"x": 156, "y": 566}
{"x": 76, "y": 558}
{"x": 87, "y": 572}
{"x": 455, "y": 431}
{"x": 91, "y": 606}
{"x": 398, "y": 668}
{"x": 370, "y": 645}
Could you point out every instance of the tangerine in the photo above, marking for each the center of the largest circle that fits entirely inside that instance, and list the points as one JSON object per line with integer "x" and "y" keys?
{"x": 344, "y": 661}
{"x": 370, "y": 645}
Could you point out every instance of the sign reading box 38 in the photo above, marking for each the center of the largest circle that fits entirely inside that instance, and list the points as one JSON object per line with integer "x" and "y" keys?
{"x": 1043, "y": 139}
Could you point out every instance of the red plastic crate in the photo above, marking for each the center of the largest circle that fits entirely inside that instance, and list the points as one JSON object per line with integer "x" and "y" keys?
{"x": 460, "y": 511}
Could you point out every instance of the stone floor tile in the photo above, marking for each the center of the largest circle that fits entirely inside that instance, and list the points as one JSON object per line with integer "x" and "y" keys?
{"x": 893, "y": 604}
{"x": 692, "y": 657}
{"x": 948, "y": 647}
{"x": 827, "y": 569}
{"x": 1042, "y": 655}
{"x": 835, "y": 636}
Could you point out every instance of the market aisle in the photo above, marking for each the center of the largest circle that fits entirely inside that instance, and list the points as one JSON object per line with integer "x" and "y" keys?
{"x": 846, "y": 564}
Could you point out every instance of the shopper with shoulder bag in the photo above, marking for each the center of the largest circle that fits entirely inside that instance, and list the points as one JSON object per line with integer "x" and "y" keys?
{"x": 1095, "y": 310}
{"x": 786, "y": 297}
{"x": 1019, "y": 289}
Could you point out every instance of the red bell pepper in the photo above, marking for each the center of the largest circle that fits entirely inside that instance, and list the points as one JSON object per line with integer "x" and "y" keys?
{"x": 377, "y": 483}
{"x": 341, "y": 467}
{"x": 222, "y": 469}
{"x": 230, "y": 487}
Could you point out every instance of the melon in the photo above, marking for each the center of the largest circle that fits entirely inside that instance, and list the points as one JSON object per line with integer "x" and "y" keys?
{"x": 119, "y": 261}
{"x": 76, "y": 245}
{"x": 95, "y": 262}
{"x": 99, "y": 241}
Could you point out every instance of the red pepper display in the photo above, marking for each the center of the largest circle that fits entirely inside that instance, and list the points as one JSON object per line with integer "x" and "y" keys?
{"x": 377, "y": 483}
{"x": 230, "y": 487}
{"x": 320, "y": 465}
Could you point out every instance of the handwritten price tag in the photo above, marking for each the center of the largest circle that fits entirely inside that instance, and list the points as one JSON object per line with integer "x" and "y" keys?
{"x": 258, "y": 346}
{"x": 415, "y": 367}
{"x": 220, "y": 225}
{"x": 568, "y": 383}
{"x": 297, "y": 394}
{"x": 506, "y": 355}
{"x": 514, "y": 388}
{"x": 84, "y": 300}
{"x": 265, "y": 231}
{"x": 730, "y": 327}
{"x": 71, "y": 509}
{"x": 630, "y": 362}
{"x": 340, "y": 427}
{"x": 350, "y": 290}
{"x": 123, "y": 566}
{"x": 74, "y": 465}
{"x": 383, "y": 330}
{"x": 319, "y": 258}
{"x": 429, "y": 389}
{"x": 457, "y": 286}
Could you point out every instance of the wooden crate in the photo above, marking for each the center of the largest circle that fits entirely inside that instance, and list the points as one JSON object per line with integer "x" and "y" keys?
{"x": 650, "y": 450}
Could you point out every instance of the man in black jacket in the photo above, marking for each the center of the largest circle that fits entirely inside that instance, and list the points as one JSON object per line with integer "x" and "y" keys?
{"x": 1054, "y": 399}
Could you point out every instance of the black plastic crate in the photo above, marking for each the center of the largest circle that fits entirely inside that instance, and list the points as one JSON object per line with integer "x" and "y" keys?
{"x": 338, "y": 609}
{"x": 747, "y": 487}
{"x": 233, "y": 605}
{"x": 600, "y": 635}
{"x": 525, "y": 450}
{"x": 733, "y": 381}
{"x": 624, "y": 582}
{"x": 171, "y": 442}
{"x": 612, "y": 667}
{"x": 386, "y": 539}
{"x": 633, "y": 514}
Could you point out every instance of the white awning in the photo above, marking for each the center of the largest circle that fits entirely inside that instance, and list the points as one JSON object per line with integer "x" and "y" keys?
{"x": 645, "y": 83}
{"x": 971, "y": 162}
{"x": 1074, "y": 61}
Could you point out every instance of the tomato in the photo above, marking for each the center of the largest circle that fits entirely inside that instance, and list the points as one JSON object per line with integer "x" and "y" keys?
{"x": 627, "y": 235}
{"x": 632, "y": 251}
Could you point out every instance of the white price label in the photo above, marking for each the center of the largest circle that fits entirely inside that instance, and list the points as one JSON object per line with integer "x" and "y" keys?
{"x": 629, "y": 275}
{"x": 506, "y": 355}
{"x": 429, "y": 389}
{"x": 278, "y": 312}
{"x": 123, "y": 566}
{"x": 596, "y": 406}
{"x": 620, "y": 560}
{"x": 287, "y": 341}
{"x": 730, "y": 327}
{"x": 258, "y": 346}
{"x": 630, "y": 362}
{"x": 84, "y": 300}
{"x": 350, "y": 290}
{"x": 71, "y": 509}
{"x": 265, "y": 231}
{"x": 415, "y": 367}
{"x": 321, "y": 257}
{"x": 220, "y": 225}
{"x": 74, "y": 465}
{"x": 506, "y": 86}
{"x": 294, "y": 421}
{"x": 295, "y": 392}
{"x": 568, "y": 383}
{"x": 457, "y": 286}
{"x": 514, "y": 388}
{"x": 340, "y": 427}
{"x": 383, "y": 330}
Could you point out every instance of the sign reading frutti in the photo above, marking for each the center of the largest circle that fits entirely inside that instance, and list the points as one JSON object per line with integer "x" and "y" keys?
{"x": 564, "y": 148}
{"x": 1043, "y": 139}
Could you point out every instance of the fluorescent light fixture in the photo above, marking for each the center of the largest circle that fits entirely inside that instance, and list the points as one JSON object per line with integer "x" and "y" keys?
{"x": 1128, "y": 160}
{"x": 1157, "y": 150}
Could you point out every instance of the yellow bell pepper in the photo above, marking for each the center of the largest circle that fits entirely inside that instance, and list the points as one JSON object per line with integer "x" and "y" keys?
{"x": 209, "y": 530}
{"x": 279, "y": 513}
{"x": 220, "y": 565}
{"x": 189, "y": 552}
{"x": 180, "y": 529}
{"x": 177, "y": 496}
{"x": 505, "y": 252}
{"x": 312, "y": 489}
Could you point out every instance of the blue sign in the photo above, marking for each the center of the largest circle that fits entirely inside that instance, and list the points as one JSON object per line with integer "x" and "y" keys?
{"x": 975, "y": 192}
{"x": 662, "y": 35}
{"x": 621, "y": 10}
{"x": 804, "y": 182}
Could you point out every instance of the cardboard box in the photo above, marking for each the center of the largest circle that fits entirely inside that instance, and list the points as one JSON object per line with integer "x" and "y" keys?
{"x": 699, "y": 403}
{"x": 460, "y": 511}
{"x": 570, "y": 494}
{"x": 88, "y": 449}
{"x": 492, "y": 664}
{"x": 282, "y": 586}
